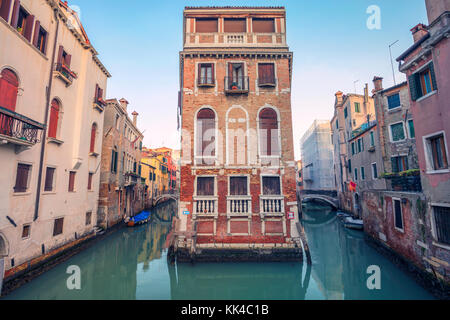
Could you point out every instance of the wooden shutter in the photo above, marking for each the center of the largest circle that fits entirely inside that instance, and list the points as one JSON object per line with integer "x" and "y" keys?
{"x": 54, "y": 119}
{"x": 93, "y": 133}
{"x": 71, "y": 181}
{"x": 28, "y": 27}
{"x": 205, "y": 186}
{"x": 68, "y": 60}
{"x": 235, "y": 25}
{"x": 206, "y": 25}
{"x": 90, "y": 180}
{"x": 433, "y": 76}
{"x": 265, "y": 25}
{"x": 22, "y": 177}
{"x": 15, "y": 14}
{"x": 268, "y": 125}
{"x": 49, "y": 179}
{"x": 8, "y": 90}
{"x": 266, "y": 73}
{"x": 415, "y": 87}
{"x": 96, "y": 93}
{"x": 60, "y": 55}
{"x": 37, "y": 29}
{"x": 238, "y": 186}
{"x": 58, "y": 226}
{"x": 5, "y": 8}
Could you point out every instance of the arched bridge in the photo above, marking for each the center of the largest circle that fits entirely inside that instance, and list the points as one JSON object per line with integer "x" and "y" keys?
{"x": 329, "y": 197}
{"x": 173, "y": 196}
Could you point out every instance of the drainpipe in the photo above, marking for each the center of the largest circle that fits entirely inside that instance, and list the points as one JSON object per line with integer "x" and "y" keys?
{"x": 47, "y": 103}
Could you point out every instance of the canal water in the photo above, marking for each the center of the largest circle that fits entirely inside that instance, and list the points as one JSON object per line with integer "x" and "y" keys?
{"x": 131, "y": 264}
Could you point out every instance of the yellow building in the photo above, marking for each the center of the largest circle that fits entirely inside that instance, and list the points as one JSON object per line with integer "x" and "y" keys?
{"x": 155, "y": 170}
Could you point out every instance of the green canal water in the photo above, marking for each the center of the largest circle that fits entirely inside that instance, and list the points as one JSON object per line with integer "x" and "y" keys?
{"x": 131, "y": 264}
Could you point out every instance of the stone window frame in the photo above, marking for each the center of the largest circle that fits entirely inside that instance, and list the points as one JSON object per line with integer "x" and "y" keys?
{"x": 197, "y": 63}
{"x": 401, "y": 212}
{"x": 404, "y": 132}
{"x": 30, "y": 177}
{"x": 247, "y": 119}
{"x": 217, "y": 132}
{"x": 435, "y": 241}
{"x": 206, "y": 176}
{"x": 238, "y": 175}
{"x": 262, "y": 175}
{"x": 54, "y": 184}
{"x": 371, "y": 167}
{"x": 363, "y": 173}
{"x": 274, "y": 157}
{"x": 428, "y": 153}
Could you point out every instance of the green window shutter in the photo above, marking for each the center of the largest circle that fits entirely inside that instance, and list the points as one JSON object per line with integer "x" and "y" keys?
{"x": 433, "y": 76}
{"x": 414, "y": 87}
{"x": 394, "y": 164}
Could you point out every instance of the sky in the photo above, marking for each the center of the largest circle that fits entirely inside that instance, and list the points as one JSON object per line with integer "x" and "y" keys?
{"x": 139, "y": 43}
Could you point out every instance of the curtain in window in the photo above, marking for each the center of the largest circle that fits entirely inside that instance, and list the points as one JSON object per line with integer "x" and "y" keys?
{"x": 238, "y": 186}
{"x": 206, "y": 133}
{"x": 268, "y": 135}
{"x": 205, "y": 186}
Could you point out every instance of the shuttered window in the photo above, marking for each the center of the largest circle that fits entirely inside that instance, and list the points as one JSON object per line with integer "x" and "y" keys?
{"x": 114, "y": 155}
{"x": 268, "y": 135}
{"x": 394, "y": 101}
{"x": 206, "y": 25}
{"x": 271, "y": 186}
{"x": 72, "y": 181}
{"x": 266, "y": 74}
{"x": 399, "y": 163}
{"x": 206, "y": 74}
{"x": 58, "y": 226}
{"x": 438, "y": 152}
{"x": 22, "y": 177}
{"x": 205, "y": 186}
{"x": 397, "y": 132}
{"x": 9, "y": 85}
{"x": 263, "y": 25}
{"x": 235, "y": 25}
{"x": 90, "y": 176}
{"x": 54, "y": 119}
{"x": 398, "y": 217}
{"x": 93, "y": 134}
{"x": 442, "y": 224}
{"x": 206, "y": 133}
{"x": 49, "y": 178}
{"x": 423, "y": 82}
{"x": 40, "y": 38}
{"x": 238, "y": 186}
{"x": 5, "y": 7}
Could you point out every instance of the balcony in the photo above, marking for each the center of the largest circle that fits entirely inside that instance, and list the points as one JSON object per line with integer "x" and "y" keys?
{"x": 99, "y": 104}
{"x": 239, "y": 205}
{"x": 237, "y": 85}
{"x": 408, "y": 181}
{"x": 131, "y": 179}
{"x": 272, "y": 205}
{"x": 205, "y": 206}
{"x": 235, "y": 40}
{"x": 64, "y": 73}
{"x": 18, "y": 129}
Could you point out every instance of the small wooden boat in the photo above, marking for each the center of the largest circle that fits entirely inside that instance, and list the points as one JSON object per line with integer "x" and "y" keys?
{"x": 139, "y": 219}
{"x": 351, "y": 223}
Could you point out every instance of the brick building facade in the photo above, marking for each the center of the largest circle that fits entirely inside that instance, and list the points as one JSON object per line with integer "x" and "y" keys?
{"x": 237, "y": 159}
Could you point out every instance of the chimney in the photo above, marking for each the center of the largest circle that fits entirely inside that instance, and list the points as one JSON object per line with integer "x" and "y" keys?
{"x": 366, "y": 93}
{"x": 124, "y": 104}
{"x": 135, "y": 114}
{"x": 339, "y": 98}
{"x": 419, "y": 32}
{"x": 378, "y": 84}
{"x": 435, "y": 8}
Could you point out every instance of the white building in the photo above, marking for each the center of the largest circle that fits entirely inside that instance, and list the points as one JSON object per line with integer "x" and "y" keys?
{"x": 49, "y": 143}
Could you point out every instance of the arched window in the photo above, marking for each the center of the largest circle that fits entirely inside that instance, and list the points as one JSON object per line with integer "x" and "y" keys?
{"x": 93, "y": 134}
{"x": 206, "y": 136}
{"x": 54, "y": 119}
{"x": 9, "y": 85}
{"x": 268, "y": 133}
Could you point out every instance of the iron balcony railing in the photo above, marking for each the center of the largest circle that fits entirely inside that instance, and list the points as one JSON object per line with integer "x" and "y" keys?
{"x": 236, "y": 84}
{"x": 20, "y": 127}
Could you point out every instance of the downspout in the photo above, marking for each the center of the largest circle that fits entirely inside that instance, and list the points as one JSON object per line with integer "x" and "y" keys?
{"x": 47, "y": 103}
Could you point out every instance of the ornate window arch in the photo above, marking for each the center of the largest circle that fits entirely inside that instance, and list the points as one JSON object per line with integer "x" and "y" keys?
{"x": 205, "y": 136}
{"x": 269, "y": 132}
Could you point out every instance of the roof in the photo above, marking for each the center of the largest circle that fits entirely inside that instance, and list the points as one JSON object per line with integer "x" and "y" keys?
{"x": 412, "y": 48}
{"x": 234, "y": 7}
{"x": 405, "y": 83}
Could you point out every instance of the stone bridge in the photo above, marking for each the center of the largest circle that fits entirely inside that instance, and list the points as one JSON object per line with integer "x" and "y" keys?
{"x": 173, "y": 196}
{"x": 329, "y": 197}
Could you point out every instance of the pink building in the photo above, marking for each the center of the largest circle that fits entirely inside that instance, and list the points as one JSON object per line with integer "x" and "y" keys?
{"x": 426, "y": 64}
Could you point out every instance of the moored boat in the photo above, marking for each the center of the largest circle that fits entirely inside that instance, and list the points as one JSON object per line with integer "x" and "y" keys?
{"x": 351, "y": 223}
{"x": 139, "y": 219}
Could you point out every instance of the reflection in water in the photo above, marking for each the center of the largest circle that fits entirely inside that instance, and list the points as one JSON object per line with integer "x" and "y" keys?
{"x": 132, "y": 264}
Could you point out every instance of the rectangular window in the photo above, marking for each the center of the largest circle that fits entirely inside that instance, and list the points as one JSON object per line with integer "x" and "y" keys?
{"x": 238, "y": 186}
{"x": 26, "y": 231}
{"x": 442, "y": 224}
{"x": 271, "y": 186}
{"x": 398, "y": 215}
{"x": 205, "y": 186}
{"x": 49, "y": 178}
{"x": 363, "y": 173}
{"x": 357, "y": 107}
{"x": 90, "y": 176}
{"x": 206, "y": 74}
{"x": 337, "y": 124}
{"x": 266, "y": 74}
{"x": 356, "y": 174}
{"x": 263, "y": 25}
{"x": 372, "y": 139}
{"x": 397, "y": 132}
{"x": 349, "y": 166}
{"x": 412, "y": 132}
{"x": 423, "y": 82}
{"x": 58, "y": 226}
{"x": 437, "y": 152}
{"x": 345, "y": 113}
{"x": 40, "y": 38}
{"x": 88, "y": 218}
{"x": 206, "y": 25}
{"x": 393, "y": 101}
{"x": 353, "y": 148}
{"x": 235, "y": 25}
{"x": 399, "y": 163}
{"x": 359, "y": 145}
{"x": 374, "y": 171}
{"x": 23, "y": 21}
{"x": 22, "y": 177}
{"x": 72, "y": 181}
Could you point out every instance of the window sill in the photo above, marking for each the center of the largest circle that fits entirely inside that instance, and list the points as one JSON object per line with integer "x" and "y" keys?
{"x": 48, "y": 193}
{"x": 427, "y": 95}
{"x": 21, "y": 194}
{"x": 394, "y": 110}
{"x": 206, "y": 85}
{"x": 55, "y": 141}
{"x": 400, "y": 230}
{"x": 264, "y": 85}
{"x": 438, "y": 171}
{"x": 441, "y": 245}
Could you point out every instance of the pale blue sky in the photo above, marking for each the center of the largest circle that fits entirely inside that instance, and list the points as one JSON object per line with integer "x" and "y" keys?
{"x": 139, "y": 41}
